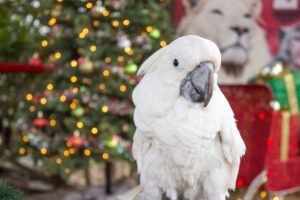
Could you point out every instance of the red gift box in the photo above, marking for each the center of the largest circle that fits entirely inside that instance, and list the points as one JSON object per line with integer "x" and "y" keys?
{"x": 283, "y": 160}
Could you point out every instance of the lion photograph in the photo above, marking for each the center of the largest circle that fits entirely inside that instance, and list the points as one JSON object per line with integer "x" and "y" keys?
{"x": 233, "y": 26}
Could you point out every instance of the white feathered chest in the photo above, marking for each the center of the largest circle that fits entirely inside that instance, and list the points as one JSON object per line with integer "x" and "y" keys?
{"x": 185, "y": 143}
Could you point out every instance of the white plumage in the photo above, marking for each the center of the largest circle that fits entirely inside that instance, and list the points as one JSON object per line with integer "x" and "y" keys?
{"x": 181, "y": 147}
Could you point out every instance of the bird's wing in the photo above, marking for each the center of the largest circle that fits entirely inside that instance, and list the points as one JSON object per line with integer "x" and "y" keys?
{"x": 142, "y": 140}
{"x": 233, "y": 148}
{"x": 141, "y": 144}
{"x": 232, "y": 143}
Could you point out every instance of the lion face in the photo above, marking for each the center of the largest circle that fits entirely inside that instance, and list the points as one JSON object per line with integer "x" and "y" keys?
{"x": 227, "y": 23}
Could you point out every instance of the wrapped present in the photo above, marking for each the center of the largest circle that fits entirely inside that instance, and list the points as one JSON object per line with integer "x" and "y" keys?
{"x": 283, "y": 152}
{"x": 285, "y": 137}
{"x": 285, "y": 85}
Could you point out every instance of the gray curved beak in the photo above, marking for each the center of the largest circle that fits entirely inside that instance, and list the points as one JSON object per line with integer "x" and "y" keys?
{"x": 202, "y": 79}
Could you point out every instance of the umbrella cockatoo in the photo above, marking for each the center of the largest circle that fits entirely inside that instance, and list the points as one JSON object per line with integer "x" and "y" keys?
{"x": 186, "y": 142}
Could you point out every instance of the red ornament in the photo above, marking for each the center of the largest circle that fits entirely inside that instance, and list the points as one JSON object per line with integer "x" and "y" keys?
{"x": 121, "y": 69}
{"x": 76, "y": 141}
{"x": 36, "y": 99}
{"x": 40, "y": 122}
{"x": 35, "y": 60}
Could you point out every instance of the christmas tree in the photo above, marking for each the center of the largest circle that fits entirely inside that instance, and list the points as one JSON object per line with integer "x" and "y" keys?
{"x": 83, "y": 112}
{"x": 17, "y": 25}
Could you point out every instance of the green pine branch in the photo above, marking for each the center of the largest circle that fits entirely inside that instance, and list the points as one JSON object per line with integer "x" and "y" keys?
{"x": 8, "y": 192}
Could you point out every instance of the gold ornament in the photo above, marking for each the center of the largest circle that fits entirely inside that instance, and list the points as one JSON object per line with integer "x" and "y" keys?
{"x": 86, "y": 66}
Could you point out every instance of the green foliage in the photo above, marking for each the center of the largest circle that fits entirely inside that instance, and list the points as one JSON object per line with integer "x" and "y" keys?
{"x": 8, "y": 192}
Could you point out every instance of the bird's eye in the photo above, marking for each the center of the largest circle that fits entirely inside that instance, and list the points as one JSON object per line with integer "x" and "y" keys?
{"x": 217, "y": 11}
{"x": 175, "y": 62}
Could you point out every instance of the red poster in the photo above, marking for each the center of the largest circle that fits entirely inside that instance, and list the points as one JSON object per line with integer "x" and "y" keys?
{"x": 275, "y": 14}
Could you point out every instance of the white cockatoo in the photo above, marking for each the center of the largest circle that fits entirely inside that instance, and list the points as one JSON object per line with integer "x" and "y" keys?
{"x": 186, "y": 143}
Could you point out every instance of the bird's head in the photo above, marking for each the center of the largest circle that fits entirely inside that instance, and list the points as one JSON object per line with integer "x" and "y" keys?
{"x": 186, "y": 67}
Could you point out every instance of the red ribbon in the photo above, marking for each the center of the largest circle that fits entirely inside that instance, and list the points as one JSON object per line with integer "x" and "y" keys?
{"x": 25, "y": 68}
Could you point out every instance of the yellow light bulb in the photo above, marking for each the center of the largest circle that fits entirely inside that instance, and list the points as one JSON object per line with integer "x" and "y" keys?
{"x": 73, "y": 105}
{"x": 75, "y": 90}
{"x": 126, "y": 22}
{"x": 50, "y": 86}
{"x": 94, "y": 130}
{"x": 52, "y": 21}
{"x": 73, "y": 79}
{"x": 107, "y": 59}
{"x": 163, "y": 43}
{"x": 59, "y": 1}
{"x": 43, "y": 101}
{"x": 79, "y": 124}
{"x": 44, "y": 43}
{"x": 72, "y": 150}
{"x": 62, "y": 98}
{"x": 101, "y": 86}
{"x": 66, "y": 153}
{"x": 43, "y": 151}
{"x": 131, "y": 52}
{"x": 57, "y": 55}
{"x": 149, "y": 29}
{"x": 31, "y": 108}
{"x": 89, "y": 5}
{"x": 123, "y": 88}
{"x": 105, "y": 109}
{"x": 22, "y": 151}
{"x": 58, "y": 161}
{"x": 69, "y": 144}
{"x": 105, "y": 13}
{"x": 25, "y": 138}
{"x": 29, "y": 97}
{"x": 93, "y": 48}
{"x": 105, "y": 156}
{"x": 127, "y": 49}
{"x": 73, "y": 63}
{"x": 115, "y": 23}
{"x": 106, "y": 72}
{"x": 120, "y": 58}
{"x": 87, "y": 152}
{"x": 85, "y": 30}
{"x": 82, "y": 35}
{"x": 96, "y": 23}
{"x": 52, "y": 122}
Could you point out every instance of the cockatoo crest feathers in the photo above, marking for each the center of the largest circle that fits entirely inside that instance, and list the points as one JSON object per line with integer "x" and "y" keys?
{"x": 149, "y": 64}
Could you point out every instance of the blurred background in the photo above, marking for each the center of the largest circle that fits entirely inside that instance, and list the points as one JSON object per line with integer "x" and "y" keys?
{"x": 68, "y": 68}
